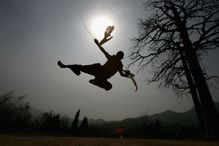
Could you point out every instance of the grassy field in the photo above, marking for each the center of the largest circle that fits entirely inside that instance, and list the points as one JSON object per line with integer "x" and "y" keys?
{"x": 20, "y": 140}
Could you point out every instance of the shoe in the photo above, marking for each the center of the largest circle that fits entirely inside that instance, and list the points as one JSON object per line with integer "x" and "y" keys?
{"x": 60, "y": 64}
{"x": 75, "y": 69}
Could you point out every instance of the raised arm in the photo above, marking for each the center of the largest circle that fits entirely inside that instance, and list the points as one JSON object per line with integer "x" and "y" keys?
{"x": 102, "y": 49}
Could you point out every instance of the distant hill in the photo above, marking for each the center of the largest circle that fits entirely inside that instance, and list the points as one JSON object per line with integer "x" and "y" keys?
{"x": 96, "y": 121}
{"x": 187, "y": 118}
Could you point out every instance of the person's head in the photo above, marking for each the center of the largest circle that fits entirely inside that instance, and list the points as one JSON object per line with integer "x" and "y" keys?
{"x": 120, "y": 55}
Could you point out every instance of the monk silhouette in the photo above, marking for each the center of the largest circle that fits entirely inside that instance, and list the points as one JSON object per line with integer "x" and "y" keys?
{"x": 101, "y": 72}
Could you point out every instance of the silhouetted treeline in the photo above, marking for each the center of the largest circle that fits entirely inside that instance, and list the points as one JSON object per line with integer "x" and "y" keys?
{"x": 15, "y": 115}
{"x": 51, "y": 123}
{"x": 154, "y": 129}
{"x": 14, "y": 112}
{"x": 55, "y": 124}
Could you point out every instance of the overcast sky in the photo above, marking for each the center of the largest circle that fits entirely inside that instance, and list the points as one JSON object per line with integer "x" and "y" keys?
{"x": 34, "y": 34}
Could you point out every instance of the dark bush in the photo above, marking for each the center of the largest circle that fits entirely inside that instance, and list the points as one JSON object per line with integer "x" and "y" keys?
{"x": 14, "y": 112}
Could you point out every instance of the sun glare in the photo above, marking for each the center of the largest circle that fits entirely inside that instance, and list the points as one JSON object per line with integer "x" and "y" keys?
{"x": 99, "y": 25}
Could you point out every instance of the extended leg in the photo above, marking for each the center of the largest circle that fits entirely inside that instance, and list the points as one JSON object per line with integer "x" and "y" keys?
{"x": 94, "y": 69}
{"x": 61, "y": 65}
{"x": 74, "y": 68}
{"x": 101, "y": 83}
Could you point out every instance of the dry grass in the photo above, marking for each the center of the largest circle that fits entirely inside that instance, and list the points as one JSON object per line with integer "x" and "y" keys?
{"x": 12, "y": 140}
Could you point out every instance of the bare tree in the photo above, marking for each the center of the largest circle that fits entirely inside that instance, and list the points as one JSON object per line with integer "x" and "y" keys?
{"x": 14, "y": 111}
{"x": 172, "y": 40}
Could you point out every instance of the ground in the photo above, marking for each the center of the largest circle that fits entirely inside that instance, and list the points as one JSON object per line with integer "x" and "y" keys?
{"x": 21, "y": 140}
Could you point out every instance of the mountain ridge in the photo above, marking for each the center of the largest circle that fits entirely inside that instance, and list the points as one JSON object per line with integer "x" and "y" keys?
{"x": 186, "y": 118}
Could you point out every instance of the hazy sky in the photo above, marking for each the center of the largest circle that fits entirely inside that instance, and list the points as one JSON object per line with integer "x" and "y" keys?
{"x": 34, "y": 34}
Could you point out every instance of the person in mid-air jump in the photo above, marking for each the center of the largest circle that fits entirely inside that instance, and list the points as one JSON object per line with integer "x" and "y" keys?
{"x": 101, "y": 72}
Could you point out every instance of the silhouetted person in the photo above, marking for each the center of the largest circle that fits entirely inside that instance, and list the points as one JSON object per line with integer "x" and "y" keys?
{"x": 101, "y": 72}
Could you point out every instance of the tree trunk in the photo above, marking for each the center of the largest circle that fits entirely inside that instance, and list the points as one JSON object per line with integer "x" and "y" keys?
{"x": 197, "y": 105}
{"x": 204, "y": 93}
{"x": 209, "y": 108}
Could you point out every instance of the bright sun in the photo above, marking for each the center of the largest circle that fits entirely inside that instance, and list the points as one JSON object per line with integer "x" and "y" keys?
{"x": 99, "y": 25}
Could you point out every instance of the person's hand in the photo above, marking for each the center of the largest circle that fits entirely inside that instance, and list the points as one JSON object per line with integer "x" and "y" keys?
{"x": 96, "y": 41}
{"x": 129, "y": 74}
{"x": 126, "y": 73}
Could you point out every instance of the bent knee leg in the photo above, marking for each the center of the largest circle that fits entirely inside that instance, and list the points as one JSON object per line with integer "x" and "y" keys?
{"x": 108, "y": 86}
{"x": 92, "y": 69}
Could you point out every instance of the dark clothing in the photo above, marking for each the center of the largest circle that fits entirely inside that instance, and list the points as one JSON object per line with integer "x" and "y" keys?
{"x": 105, "y": 71}
{"x": 92, "y": 69}
{"x": 112, "y": 65}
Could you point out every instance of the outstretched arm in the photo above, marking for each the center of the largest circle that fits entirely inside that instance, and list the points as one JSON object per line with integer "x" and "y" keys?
{"x": 128, "y": 74}
{"x": 102, "y": 49}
